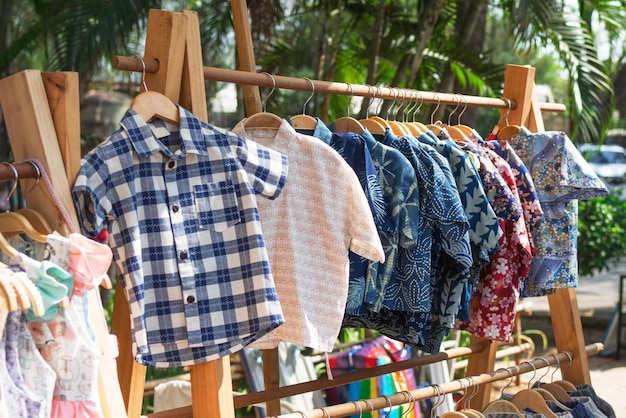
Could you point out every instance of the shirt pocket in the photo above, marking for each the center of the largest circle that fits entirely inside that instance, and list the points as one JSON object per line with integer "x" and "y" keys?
{"x": 216, "y": 205}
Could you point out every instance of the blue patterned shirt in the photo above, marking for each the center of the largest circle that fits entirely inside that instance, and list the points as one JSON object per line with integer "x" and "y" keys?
{"x": 180, "y": 208}
{"x": 561, "y": 176}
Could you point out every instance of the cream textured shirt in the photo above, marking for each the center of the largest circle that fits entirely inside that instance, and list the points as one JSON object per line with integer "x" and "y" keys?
{"x": 308, "y": 231}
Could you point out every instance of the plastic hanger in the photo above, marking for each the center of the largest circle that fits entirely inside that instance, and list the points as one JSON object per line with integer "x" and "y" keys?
{"x": 150, "y": 104}
{"x": 264, "y": 120}
{"x": 530, "y": 399}
{"x": 348, "y": 123}
{"x": 305, "y": 121}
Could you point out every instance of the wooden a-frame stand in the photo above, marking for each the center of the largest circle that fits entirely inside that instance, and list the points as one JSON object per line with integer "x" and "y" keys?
{"x": 173, "y": 39}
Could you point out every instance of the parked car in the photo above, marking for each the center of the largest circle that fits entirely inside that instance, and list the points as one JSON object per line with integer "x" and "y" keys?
{"x": 608, "y": 161}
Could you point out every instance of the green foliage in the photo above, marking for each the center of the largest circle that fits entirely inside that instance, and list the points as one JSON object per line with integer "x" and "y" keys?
{"x": 601, "y": 233}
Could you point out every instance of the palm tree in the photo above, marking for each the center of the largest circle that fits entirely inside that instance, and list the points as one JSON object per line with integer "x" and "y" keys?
{"x": 424, "y": 44}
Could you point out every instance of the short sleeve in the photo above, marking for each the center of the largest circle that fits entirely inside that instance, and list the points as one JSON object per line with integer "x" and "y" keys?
{"x": 267, "y": 169}
{"x": 364, "y": 236}
{"x": 90, "y": 194}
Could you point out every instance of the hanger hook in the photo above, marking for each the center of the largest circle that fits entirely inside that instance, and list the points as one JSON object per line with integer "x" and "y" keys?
{"x": 403, "y": 104}
{"x": 264, "y": 103}
{"x": 15, "y": 178}
{"x": 420, "y": 101}
{"x": 368, "y": 403}
{"x": 382, "y": 100}
{"x": 38, "y": 171}
{"x": 325, "y": 412}
{"x": 458, "y": 118}
{"x": 508, "y": 110}
{"x": 367, "y": 109}
{"x": 409, "y": 109}
{"x": 390, "y": 405}
{"x": 510, "y": 373}
{"x": 143, "y": 73}
{"x": 440, "y": 399}
{"x": 310, "y": 97}
{"x": 432, "y": 115}
{"x": 474, "y": 390}
{"x": 558, "y": 366}
{"x": 303, "y": 414}
{"x": 411, "y": 400}
{"x": 547, "y": 369}
{"x": 534, "y": 373}
{"x": 458, "y": 103}
{"x": 349, "y": 99}
{"x": 358, "y": 406}
{"x": 393, "y": 104}
{"x": 569, "y": 364}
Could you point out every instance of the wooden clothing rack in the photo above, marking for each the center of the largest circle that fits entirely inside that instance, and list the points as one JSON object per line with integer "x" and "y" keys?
{"x": 41, "y": 112}
{"x": 173, "y": 66}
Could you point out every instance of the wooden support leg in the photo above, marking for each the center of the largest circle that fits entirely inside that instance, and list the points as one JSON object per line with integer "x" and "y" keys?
{"x": 483, "y": 362}
{"x": 568, "y": 334}
{"x": 132, "y": 375}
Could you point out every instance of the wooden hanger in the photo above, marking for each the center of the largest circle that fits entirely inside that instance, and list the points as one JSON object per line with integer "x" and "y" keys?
{"x": 556, "y": 392}
{"x": 15, "y": 223}
{"x": 502, "y": 406}
{"x": 566, "y": 385}
{"x": 348, "y": 123}
{"x": 6, "y": 247}
{"x": 264, "y": 119}
{"x": 150, "y": 104}
{"x": 37, "y": 220}
{"x": 467, "y": 410}
{"x": 531, "y": 399}
{"x": 305, "y": 121}
{"x": 373, "y": 126}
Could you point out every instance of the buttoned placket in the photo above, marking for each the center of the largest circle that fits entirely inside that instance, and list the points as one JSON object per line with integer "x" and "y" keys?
{"x": 184, "y": 258}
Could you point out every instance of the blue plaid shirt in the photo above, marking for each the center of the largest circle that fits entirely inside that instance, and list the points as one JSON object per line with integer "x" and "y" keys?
{"x": 181, "y": 211}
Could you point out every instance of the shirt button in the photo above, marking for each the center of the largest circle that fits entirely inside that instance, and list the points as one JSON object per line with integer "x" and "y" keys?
{"x": 171, "y": 164}
{"x": 175, "y": 208}
{"x": 190, "y": 299}
{"x": 184, "y": 255}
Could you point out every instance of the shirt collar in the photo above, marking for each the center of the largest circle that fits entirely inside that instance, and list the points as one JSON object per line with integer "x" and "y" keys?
{"x": 145, "y": 143}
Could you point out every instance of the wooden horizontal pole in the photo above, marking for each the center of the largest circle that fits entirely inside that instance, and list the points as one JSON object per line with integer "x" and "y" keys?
{"x": 347, "y": 409}
{"x": 332, "y": 87}
{"x": 24, "y": 171}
